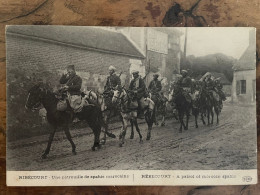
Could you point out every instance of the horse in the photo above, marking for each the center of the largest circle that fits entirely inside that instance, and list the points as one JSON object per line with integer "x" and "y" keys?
{"x": 99, "y": 100}
{"x": 207, "y": 105}
{"x": 130, "y": 114}
{"x": 197, "y": 106}
{"x": 159, "y": 107}
{"x": 41, "y": 95}
{"x": 182, "y": 105}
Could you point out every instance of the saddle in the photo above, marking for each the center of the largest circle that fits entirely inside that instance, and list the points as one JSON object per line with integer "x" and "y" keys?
{"x": 76, "y": 103}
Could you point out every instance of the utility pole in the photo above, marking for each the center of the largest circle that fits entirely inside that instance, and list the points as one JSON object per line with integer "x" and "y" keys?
{"x": 185, "y": 44}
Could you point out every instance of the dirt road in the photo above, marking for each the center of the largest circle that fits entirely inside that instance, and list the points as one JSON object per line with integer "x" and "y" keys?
{"x": 229, "y": 145}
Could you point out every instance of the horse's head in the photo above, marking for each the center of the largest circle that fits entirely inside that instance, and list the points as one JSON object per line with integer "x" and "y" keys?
{"x": 118, "y": 93}
{"x": 34, "y": 97}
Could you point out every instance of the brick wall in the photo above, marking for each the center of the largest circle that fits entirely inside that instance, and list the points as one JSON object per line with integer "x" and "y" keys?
{"x": 30, "y": 54}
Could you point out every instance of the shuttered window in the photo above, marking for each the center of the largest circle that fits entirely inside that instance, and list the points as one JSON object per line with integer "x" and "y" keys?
{"x": 243, "y": 86}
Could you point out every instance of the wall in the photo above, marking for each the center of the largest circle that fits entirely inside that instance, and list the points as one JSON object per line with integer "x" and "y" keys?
{"x": 249, "y": 76}
{"x": 30, "y": 55}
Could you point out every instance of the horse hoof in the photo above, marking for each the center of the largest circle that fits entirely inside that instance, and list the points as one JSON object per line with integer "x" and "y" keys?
{"x": 120, "y": 145}
{"x": 99, "y": 146}
{"x": 148, "y": 138}
{"x": 93, "y": 148}
{"x": 163, "y": 124}
{"x": 131, "y": 137}
{"x": 197, "y": 126}
{"x": 141, "y": 141}
{"x": 186, "y": 129}
{"x": 44, "y": 156}
{"x": 74, "y": 152}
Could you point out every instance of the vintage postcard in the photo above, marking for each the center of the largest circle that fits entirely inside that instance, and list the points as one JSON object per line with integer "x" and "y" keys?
{"x": 131, "y": 106}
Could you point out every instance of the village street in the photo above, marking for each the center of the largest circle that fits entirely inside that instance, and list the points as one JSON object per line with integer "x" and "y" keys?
{"x": 229, "y": 145}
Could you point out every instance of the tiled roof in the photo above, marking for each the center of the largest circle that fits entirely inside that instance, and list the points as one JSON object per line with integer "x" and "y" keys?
{"x": 89, "y": 37}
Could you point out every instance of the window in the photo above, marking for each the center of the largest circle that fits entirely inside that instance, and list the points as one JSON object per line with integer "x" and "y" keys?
{"x": 243, "y": 86}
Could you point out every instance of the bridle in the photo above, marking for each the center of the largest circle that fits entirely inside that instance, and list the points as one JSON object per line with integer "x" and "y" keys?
{"x": 37, "y": 104}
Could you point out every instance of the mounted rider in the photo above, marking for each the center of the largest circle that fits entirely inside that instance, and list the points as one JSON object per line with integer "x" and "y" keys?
{"x": 72, "y": 84}
{"x": 112, "y": 82}
{"x": 218, "y": 89}
{"x": 185, "y": 84}
{"x": 209, "y": 86}
{"x": 155, "y": 87}
{"x": 137, "y": 90}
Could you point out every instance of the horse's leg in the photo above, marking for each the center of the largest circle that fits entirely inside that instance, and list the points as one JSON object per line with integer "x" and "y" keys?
{"x": 105, "y": 121}
{"x": 138, "y": 130}
{"x": 155, "y": 114}
{"x": 212, "y": 114}
{"x": 196, "y": 117}
{"x": 132, "y": 129}
{"x": 96, "y": 128}
{"x": 181, "y": 120}
{"x": 202, "y": 118}
{"x": 47, "y": 150}
{"x": 163, "y": 116}
{"x": 149, "y": 121}
{"x": 187, "y": 120}
{"x": 217, "y": 113}
{"x": 208, "y": 112}
{"x": 68, "y": 135}
{"x": 123, "y": 132}
{"x": 104, "y": 138}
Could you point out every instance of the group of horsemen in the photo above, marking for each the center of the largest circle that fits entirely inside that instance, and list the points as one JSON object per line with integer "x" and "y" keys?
{"x": 137, "y": 89}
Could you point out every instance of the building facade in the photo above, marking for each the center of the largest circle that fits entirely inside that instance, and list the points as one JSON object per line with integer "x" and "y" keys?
{"x": 244, "y": 79}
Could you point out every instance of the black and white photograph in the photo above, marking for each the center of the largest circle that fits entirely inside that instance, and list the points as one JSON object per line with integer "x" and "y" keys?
{"x": 131, "y": 98}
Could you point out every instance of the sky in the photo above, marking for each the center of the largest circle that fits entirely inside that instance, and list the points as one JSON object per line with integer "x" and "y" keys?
{"x": 229, "y": 41}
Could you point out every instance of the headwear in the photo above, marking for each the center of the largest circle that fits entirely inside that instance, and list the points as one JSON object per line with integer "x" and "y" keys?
{"x": 184, "y": 73}
{"x": 156, "y": 75}
{"x": 71, "y": 67}
{"x": 112, "y": 68}
{"x": 135, "y": 72}
{"x": 207, "y": 74}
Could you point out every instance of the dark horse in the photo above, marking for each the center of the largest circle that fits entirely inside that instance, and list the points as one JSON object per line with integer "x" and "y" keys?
{"x": 39, "y": 94}
{"x": 159, "y": 107}
{"x": 197, "y": 107}
{"x": 182, "y": 105}
{"x": 207, "y": 108}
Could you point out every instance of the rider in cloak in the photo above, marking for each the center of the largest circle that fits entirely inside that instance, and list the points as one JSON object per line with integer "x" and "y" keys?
{"x": 185, "y": 84}
{"x": 138, "y": 90}
{"x": 72, "y": 83}
{"x": 155, "y": 87}
{"x": 113, "y": 81}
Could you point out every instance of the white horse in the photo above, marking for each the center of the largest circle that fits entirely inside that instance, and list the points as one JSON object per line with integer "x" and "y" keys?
{"x": 128, "y": 110}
